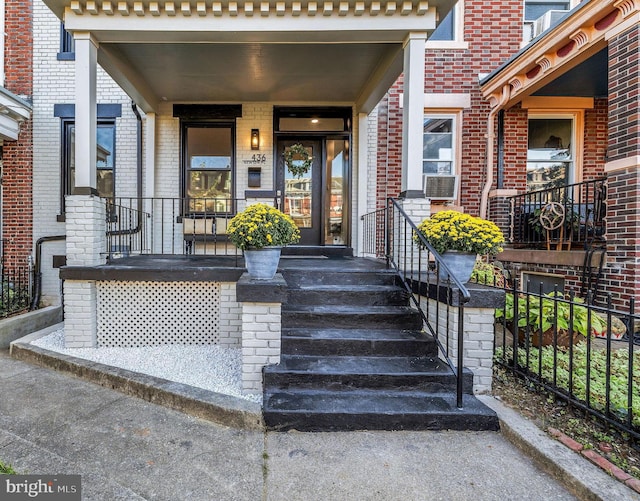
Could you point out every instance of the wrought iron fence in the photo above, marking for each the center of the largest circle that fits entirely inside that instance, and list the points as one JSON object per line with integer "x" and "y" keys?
{"x": 169, "y": 226}
{"x": 15, "y": 290}
{"x": 559, "y": 217}
{"x": 582, "y": 353}
{"x": 433, "y": 289}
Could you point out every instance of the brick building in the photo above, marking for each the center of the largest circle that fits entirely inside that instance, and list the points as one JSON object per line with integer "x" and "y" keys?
{"x": 16, "y": 91}
{"x": 458, "y": 103}
{"x": 530, "y": 105}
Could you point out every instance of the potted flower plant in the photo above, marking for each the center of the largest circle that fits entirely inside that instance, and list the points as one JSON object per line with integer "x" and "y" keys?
{"x": 261, "y": 231}
{"x": 459, "y": 238}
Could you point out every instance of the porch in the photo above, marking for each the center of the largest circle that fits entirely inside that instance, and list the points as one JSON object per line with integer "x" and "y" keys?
{"x": 332, "y": 342}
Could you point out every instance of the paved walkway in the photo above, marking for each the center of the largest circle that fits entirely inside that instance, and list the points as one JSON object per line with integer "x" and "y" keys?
{"x": 129, "y": 449}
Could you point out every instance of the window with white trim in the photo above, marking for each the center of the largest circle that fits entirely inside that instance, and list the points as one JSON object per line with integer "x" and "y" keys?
{"x": 450, "y": 30}
{"x": 550, "y": 151}
{"x": 439, "y": 144}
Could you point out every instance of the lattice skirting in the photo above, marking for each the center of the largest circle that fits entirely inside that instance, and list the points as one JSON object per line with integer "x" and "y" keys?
{"x": 134, "y": 314}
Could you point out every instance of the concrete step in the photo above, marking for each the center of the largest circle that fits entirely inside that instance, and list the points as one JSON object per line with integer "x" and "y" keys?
{"x": 355, "y": 295}
{"x": 301, "y": 277}
{"x": 320, "y": 410}
{"x": 338, "y": 374}
{"x": 356, "y": 342}
{"x": 358, "y": 317}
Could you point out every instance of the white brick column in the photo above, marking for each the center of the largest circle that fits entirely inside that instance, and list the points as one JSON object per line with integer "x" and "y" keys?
{"x": 86, "y": 55}
{"x": 417, "y": 209}
{"x": 230, "y": 316}
{"x": 261, "y": 331}
{"x": 413, "y": 113}
{"x": 86, "y": 244}
{"x": 478, "y": 339}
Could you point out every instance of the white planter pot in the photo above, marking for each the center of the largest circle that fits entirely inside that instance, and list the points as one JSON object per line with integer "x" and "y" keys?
{"x": 262, "y": 264}
{"x": 459, "y": 263}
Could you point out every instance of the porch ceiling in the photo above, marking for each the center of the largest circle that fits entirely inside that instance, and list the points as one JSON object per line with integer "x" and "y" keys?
{"x": 254, "y": 71}
{"x": 283, "y": 51}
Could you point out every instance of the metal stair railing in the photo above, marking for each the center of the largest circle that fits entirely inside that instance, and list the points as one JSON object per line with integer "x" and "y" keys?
{"x": 420, "y": 267}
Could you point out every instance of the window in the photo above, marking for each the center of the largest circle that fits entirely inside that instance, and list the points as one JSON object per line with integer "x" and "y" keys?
{"x": 550, "y": 161}
{"x": 534, "y": 10}
{"x": 105, "y": 157}
{"x": 208, "y": 166}
{"x": 446, "y": 28}
{"x": 67, "y": 45}
{"x": 438, "y": 155}
{"x": 450, "y": 30}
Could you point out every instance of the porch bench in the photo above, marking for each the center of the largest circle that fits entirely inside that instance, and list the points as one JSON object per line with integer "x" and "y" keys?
{"x": 206, "y": 229}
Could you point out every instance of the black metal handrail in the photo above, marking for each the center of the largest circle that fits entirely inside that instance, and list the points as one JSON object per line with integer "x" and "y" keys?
{"x": 420, "y": 267}
{"x": 562, "y": 216}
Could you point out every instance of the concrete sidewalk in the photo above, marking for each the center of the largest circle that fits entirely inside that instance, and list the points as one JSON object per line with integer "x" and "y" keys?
{"x": 126, "y": 448}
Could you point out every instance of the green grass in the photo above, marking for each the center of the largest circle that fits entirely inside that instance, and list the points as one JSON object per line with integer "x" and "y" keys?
{"x": 6, "y": 469}
{"x": 597, "y": 375}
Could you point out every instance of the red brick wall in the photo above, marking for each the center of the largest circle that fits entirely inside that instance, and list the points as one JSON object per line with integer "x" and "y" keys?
{"x": 595, "y": 140}
{"x": 17, "y": 208}
{"x": 624, "y": 110}
{"x": 490, "y": 43}
{"x": 515, "y": 148}
{"x": 623, "y": 235}
{"x": 622, "y": 276}
{"x": 389, "y": 170}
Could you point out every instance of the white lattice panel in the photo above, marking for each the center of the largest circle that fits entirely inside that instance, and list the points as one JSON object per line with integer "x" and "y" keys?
{"x": 134, "y": 314}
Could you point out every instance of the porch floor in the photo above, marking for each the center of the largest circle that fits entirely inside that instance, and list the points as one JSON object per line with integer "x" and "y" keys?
{"x": 207, "y": 268}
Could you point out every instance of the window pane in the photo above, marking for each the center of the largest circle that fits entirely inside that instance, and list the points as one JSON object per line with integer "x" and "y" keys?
{"x": 436, "y": 168}
{"x": 445, "y": 30}
{"x": 437, "y": 145}
{"x": 549, "y": 157}
{"x": 209, "y": 142}
{"x": 105, "y": 183}
{"x": 209, "y": 184}
{"x": 209, "y": 167}
{"x": 105, "y": 158}
{"x": 545, "y": 175}
{"x": 534, "y": 10}
{"x": 298, "y": 194}
{"x": 293, "y": 124}
{"x": 105, "y": 146}
{"x": 550, "y": 139}
{"x": 335, "y": 221}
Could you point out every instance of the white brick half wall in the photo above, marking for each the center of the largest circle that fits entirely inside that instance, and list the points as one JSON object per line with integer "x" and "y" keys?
{"x": 261, "y": 340}
{"x": 478, "y": 339}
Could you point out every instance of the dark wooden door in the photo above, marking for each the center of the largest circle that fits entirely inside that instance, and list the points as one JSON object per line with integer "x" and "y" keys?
{"x": 301, "y": 197}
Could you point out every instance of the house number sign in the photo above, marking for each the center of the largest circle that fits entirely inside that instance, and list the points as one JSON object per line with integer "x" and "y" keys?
{"x": 256, "y": 159}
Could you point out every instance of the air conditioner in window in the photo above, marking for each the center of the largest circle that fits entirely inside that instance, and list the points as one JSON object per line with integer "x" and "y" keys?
{"x": 547, "y": 20}
{"x": 438, "y": 187}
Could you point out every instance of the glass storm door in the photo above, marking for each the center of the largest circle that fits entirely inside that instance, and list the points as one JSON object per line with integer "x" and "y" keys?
{"x": 301, "y": 197}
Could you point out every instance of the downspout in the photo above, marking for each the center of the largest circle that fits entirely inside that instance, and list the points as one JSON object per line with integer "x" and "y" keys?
{"x": 136, "y": 112}
{"x": 133, "y": 231}
{"x": 484, "y": 200}
{"x": 37, "y": 273}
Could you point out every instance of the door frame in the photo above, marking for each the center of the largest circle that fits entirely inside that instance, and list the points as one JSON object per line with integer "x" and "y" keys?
{"x": 345, "y": 113}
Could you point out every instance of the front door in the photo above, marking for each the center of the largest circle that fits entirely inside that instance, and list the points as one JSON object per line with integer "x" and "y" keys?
{"x": 301, "y": 196}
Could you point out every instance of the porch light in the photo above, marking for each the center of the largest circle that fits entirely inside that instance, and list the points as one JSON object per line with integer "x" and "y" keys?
{"x": 255, "y": 139}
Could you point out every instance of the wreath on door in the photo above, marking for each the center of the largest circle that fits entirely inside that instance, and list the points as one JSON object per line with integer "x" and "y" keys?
{"x": 298, "y": 160}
